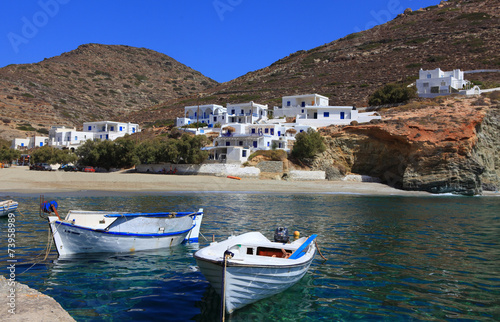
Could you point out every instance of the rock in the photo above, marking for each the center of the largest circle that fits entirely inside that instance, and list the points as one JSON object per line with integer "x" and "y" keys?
{"x": 30, "y": 305}
{"x": 452, "y": 147}
{"x": 407, "y": 11}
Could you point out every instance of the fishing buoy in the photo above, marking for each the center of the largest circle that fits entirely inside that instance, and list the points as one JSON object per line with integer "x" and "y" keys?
{"x": 232, "y": 177}
{"x": 296, "y": 234}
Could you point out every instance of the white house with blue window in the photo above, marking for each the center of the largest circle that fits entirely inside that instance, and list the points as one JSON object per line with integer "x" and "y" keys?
{"x": 63, "y": 137}
{"x": 432, "y": 83}
{"x": 209, "y": 114}
{"x": 313, "y": 110}
{"x": 29, "y": 142}
{"x": 294, "y": 105}
{"x": 237, "y": 140}
{"x": 108, "y": 130}
{"x": 246, "y": 113}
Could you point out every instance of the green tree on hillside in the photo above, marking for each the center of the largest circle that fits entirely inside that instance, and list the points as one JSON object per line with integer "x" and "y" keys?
{"x": 392, "y": 94}
{"x": 308, "y": 144}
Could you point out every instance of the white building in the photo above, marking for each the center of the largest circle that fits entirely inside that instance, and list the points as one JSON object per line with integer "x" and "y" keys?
{"x": 210, "y": 114}
{"x": 294, "y": 105}
{"x": 432, "y": 83}
{"x": 63, "y": 137}
{"x": 29, "y": 142}
{"x": 313, "y": 110}
{"x": 246, "y": 113}
{"x": 237, "y": 140}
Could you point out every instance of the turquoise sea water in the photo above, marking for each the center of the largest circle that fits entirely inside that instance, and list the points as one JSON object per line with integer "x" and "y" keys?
{"x": 389, "y": 258}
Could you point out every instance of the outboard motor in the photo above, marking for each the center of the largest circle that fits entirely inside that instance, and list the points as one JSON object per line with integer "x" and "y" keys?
{"x": 49, "y": 206}
{"x": 281, "y": 235}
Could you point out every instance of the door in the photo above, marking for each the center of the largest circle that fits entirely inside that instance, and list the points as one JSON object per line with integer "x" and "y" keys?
{"x": 315, "y": 115}
{"x": 342, "y": 115}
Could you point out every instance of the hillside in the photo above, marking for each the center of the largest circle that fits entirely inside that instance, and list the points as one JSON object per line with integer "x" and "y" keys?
{"x": 461, "y": 34}
{"x": 93, "y": 82}
{"x": 97, "y": 82}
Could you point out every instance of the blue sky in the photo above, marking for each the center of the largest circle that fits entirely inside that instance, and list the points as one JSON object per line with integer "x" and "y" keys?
{"x": 223, "y": 39}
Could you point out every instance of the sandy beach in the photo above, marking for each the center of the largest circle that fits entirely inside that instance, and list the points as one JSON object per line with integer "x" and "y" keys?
{"x": 22, "y": 180}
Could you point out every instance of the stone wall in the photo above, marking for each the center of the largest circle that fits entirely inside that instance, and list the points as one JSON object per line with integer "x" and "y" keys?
{"x": 297, "y": 175}
{"x": 214, "y": 169}
{"x": 270, "y": 166}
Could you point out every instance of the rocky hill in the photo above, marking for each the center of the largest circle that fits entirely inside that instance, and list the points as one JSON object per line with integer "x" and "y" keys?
{"x": 462, "y": 34}
{"x": 93, "y": 82}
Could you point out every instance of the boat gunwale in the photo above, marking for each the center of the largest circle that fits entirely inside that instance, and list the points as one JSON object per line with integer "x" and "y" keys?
{"x": 231, "y": 263}
{"x": 102, "y": 231}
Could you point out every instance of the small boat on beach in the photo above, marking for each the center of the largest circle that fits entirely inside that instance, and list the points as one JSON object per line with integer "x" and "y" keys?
{"x": 246, "y": 268}
{"x": 7, "y": 207}
{"x": 103, "y": 231}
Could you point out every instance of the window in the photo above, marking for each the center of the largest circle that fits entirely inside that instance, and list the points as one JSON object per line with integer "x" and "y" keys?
{"x": 112, "y": 128}
{"x": 302, "y": 111}
{"x": 342, "y": 115}
{"x": 266, "y": 130}
{"x": 133, "y": 130}
{"x": 426, "y": 85}
{"x": 429, "y": 76}
{"x": 76, "y": 138}
{"x": 22, "y": 144}
{"x": 254, "y": 144}
{"x": 121, "y": 128}
{"x": 267, "y": 143}
{"x": 215, "y": 118}
{"x": 244, "y": 153}
{"x": 41, "y": 143}
{"x": 303, "y": 104}
{"x": 240, "y": 143}
{"x": 228, "y": 143}
{"x": 232, "y": 111}
{"x": 242, "y": 112}
{"x": 443, "y": 83}
{"x": 90, "y": 128}
{"x": 288, "y": 103}
{"x": 253, "y": 131}
{"x": 326, "y": 114}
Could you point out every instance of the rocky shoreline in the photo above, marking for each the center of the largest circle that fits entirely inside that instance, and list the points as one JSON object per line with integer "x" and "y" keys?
{"x": 29, "y": 304}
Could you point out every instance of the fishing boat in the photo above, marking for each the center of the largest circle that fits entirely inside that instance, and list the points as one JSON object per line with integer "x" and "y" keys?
{"x": 7, "y": 207}
{"x": 102, "y": 231}
{"x": 246, "y": 268}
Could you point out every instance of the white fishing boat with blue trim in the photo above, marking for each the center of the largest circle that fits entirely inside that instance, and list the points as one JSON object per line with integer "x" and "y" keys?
{"x": 7, "y": 207}
{"x": 102, "y": 231}
{"x": 246, "y": 268}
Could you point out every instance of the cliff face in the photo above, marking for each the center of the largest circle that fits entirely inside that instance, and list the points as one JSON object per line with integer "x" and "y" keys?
{"x": 443, "y": 145}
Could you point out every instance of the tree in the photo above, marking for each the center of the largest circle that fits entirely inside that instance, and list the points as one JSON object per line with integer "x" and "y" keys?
{"x": 51, "y": 155}
{"x": 392, "y": 94}
{"x": 88, "y": 154}
{"x": 308, "y": 144}
{"x": 8, "y": 154}
{"x": 126, "y": 152}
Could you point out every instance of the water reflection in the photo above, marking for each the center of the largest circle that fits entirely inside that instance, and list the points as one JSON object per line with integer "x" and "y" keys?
{"x": 395, "y": 258}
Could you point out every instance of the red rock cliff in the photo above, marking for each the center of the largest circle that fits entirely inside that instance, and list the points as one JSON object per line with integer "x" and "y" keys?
{"x": 443, "y": 145}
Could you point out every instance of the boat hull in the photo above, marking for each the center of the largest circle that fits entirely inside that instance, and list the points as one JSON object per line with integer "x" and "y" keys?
{"x": 122, "y": 234}
{"x": 7, "y": 207}
{"x": 251, "y": 275}
{"x": 246, "y": 285}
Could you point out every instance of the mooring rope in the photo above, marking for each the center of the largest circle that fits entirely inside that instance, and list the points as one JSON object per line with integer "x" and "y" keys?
{"x": 319, "y": 252}
{"x": 227, "y": 254}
